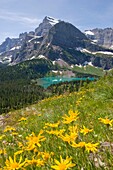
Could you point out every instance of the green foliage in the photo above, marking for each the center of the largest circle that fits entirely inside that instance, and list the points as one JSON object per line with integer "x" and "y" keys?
{"x": 91, "y": 102}
{"x": 26, "y": 70}
{"x": 89, "y": 70}
{"x": 16, "y": 94}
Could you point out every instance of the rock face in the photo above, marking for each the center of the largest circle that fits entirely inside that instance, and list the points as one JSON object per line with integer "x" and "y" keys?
{"x": 103, "y": 37}
{"x": 45, "y": 26}
{"x": 57, "y": 41}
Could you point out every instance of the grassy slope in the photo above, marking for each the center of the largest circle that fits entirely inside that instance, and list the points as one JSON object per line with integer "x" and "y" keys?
{"x": 92, "y": 102}
{"x": 89, "y": 70}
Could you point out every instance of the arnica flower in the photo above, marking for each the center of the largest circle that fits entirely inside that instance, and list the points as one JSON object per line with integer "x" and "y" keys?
{"x": 52, "y": 125}
{"x": 2, "y": 136}
{"x": 72, "y": 136}
{"x": 106, "y": 121}
{"x": 69, "y": 137}
{"x": 14, "y": 133}
{"x": 13, "y": 164}
{"x": 78, "y": 145}
{"x": 34, "y": 162}
{"x": 63, "y": 164}
{"x": 2, "y": 151}
{"x": 46, "y": 156}
{"x": 85, "y": 130}
{"x": 9, "y": 128}
{"x": 22, "y": 119}
{"x": 90, "y": 147}
{"x": 18, "y": 152}
{"x": 72, "y": 117}
{"x": 56, "y": 132}
{"x": 34, "y": 140}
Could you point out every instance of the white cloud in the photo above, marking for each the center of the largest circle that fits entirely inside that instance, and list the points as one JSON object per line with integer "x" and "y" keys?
{"x": 20, "y": 18}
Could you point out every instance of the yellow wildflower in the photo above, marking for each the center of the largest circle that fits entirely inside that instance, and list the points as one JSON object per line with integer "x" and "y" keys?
{"x": 9, "y": 128}
{"x": 85, "y": 130}
{"x": 106, "y": 121}
{"x": 69, "y": 137}
{"x": 63, "y": 164}
{"x": 2, "y": 151}
{"x": 53, "y": 125}
{"x": 18, "y": 152}
{"x": 34, "y": 140}
{"x": 56, "y": 132}
{"x": 39, "y": 114}
{"x": 91, "y": 147}
{"x": 2, "y": 136}
{"x": 73, "y": 129}
{"x": 72, "y": 136}
{"x": 20, "y": 144}
{"x": 72, "y": 116}
{"x": 22, "y": 119}
{"x": 13, "y": 164}
{"x": 46, "y": 156}
{"x": 79, "y": 145}
{"x": 35, "y": 162}
{"x": 14, "y": 133}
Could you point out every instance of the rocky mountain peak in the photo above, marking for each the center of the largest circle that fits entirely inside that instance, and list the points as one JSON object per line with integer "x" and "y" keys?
{"x": 45, "y": 26}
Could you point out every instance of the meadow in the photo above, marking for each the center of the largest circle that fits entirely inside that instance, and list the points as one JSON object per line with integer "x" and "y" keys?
{"x": 69, "y": 131}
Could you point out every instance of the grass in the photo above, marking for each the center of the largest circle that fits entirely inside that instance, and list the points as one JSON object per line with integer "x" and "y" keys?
{"x": 48, "y": 135}
{"x": 89, "y": 70}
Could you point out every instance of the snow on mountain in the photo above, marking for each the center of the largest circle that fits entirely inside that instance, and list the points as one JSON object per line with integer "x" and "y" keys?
{"x": 97, "y": 52}
{"x": 89, "y": 32}
{"x": 52, "y": 21}
{"x": 15, "y": 48}
{"x": 103, "y": 52}
{"x": 45, "y": 26}
{"x": 42, "y": 56}
{"x": 35, "y": 37}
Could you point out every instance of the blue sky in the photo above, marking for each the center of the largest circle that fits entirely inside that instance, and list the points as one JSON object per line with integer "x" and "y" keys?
{"x": 17, "y": 16}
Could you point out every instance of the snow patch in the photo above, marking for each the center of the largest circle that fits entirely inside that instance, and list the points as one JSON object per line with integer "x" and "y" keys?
{"x": 97, "y": 52}
{"x": 103, "y": 52}
{"x": 37, "y": 42}
{"x": 52, "y": 21}
{"x": 85, "y": 50}
{"x": 111, "y": 47}
{"x": 95, "y": 41}
{"x": 35, "y": 37}
{"x": 53, "y": 62}
{"x": 78, "y": 65}
{"x": 89, "y": 32}
{"x": 90, "y": 63}
{"x": 1, "y": 61}
{"x": 15, "y": 48}
{"x": 72, "y": 66}
{"x": 48, "y": 45}
{"x": 32, "y": 57}
{"x": 42, "y": 56}
{"x": 54, "y": 71}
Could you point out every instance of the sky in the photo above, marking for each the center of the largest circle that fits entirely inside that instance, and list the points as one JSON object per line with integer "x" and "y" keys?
{"x": 17, "y": 16}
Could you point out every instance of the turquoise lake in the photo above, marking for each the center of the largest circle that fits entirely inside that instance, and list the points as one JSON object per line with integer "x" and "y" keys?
{"x": 47, "y": 81}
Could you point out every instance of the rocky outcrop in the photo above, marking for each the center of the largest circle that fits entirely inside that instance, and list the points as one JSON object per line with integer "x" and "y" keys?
{"x": 103, "y": 37}
{"x": 45, "y": 26}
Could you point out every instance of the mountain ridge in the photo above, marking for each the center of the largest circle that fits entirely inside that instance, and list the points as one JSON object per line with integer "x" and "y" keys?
{"x": 55, "y": 39}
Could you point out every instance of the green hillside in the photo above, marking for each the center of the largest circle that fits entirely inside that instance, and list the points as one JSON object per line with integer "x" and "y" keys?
{"x": 71, "y": 131}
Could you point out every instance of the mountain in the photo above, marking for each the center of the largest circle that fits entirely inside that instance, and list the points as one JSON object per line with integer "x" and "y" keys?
{"x": 58, "y": 41}
{"x": 103, "y": 37}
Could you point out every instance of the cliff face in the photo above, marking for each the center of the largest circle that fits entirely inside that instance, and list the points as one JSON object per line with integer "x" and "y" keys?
{"x": 103, "y": 37}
